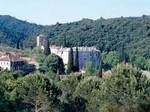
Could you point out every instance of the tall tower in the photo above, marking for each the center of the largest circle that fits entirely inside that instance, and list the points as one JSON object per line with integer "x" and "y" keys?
{"x": 41, "y": 41}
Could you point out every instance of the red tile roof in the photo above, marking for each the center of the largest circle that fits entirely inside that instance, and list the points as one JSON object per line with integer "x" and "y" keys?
{"x": 10, "y": 57}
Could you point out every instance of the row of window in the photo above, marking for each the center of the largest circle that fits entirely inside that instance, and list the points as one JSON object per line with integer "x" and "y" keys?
{"x": 4, "y": 63}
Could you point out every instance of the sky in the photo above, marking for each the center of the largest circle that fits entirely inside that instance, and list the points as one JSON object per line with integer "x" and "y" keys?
{"x": 48, "y": 12}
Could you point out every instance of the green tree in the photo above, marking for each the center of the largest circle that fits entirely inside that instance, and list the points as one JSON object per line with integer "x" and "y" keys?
{"x": 89, "y": 69}
{"x": 76, "y": 60}
{"x": 47, "y": 50}
{"x": 122, "y": 88}
{"x": 122, "y": 54}
{"x": 7, "y": 92}
{"x": 38, "y": 93}
{"x": 22, "y": 44}
{"x": 64, "y": 41}
{"x": 100, "y": 72}
{"x": 3, "y": 102}
{"x": 18, "y": 44}
{"x": 110, "y": 59}
{"x": 70, "y": 61}
{"x": 90, "y": 89}
{"x": 71, "y": 103}
{"x": 53, "y": 63}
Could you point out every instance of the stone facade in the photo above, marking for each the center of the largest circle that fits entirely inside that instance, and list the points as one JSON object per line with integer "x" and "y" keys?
{"x": 41, "y": 41}
{"x": 86, "y": 54}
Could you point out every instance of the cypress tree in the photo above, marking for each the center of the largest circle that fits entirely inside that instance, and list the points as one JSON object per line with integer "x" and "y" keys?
{"x": 100, "y": 75}
{"x": 64, "y": 41}
{"x": 122, "y": 55}
{"x": 47, "y": 50}
{"x": 17, "y": 45}
{"x": 21, "y": 44}
{"x": 70, "y": 61}
{"x": 76, "y": 61}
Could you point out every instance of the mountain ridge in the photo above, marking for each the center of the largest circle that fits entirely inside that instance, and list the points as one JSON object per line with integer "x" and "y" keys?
{"x": 106, "y": 34}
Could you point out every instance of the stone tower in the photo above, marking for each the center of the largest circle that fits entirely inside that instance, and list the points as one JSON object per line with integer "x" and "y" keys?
{"x": 41, "y": 41}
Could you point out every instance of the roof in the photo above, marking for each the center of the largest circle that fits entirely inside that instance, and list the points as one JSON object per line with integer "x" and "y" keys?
{"x": 84, "y": 48}
{"x": 10, "y": 57}
{"x": 88, "y": 49}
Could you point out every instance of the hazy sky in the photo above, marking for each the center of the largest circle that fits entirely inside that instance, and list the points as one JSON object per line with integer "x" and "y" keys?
{"x": 52, "y": 11}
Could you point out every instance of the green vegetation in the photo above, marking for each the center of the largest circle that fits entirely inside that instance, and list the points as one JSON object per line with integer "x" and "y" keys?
{"x": 89, "y": 69}
{"x": 76, "y": 61}
{"x": 70, "y": 61}
{"x": 100, "y": 71}
{"x": 111, "y": 59}
{"x": 53, "y": 63}
{"x": 14, "y": 31}
{"x": 38, "y": 92}
{"x": 106, "y": 34}
{"x": 125, "y": 89}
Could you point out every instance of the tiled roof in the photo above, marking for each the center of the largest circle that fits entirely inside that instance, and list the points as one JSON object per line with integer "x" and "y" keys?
{"x": 84, "y": 48}
{"x": 10, "y": 57}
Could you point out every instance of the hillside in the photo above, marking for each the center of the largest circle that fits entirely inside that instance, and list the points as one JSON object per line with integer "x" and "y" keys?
{"x": 106, "y": 34}
{"x": 13, "y": 30}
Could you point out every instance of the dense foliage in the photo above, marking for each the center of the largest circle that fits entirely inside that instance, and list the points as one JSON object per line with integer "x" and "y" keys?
{"x": 106, "y": 34}
{"x": 124, "y": 90}
{"x": 53, "y": 63}
{"x": 14, "y": 32}
{"x": 111, "y": 59}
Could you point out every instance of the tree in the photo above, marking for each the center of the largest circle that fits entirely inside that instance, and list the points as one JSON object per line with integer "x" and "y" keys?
{"x": 76, "y": 61}
{"x": 122, "y": 55}
{"x": 38, "y": 93}
{"x": 53, "y": 63}
{"x": 47, "y": 50}
{"x": 64, "y": 40}
{"x": 89, "y": 69}
{"x": 3, "y": 102}
{"x": 22, "y": 44}
{"x": 18, "y": 44}
{"x": 90, "y": 89}
{"x": 110, "y": 59}
{"x": 123, "y": 88}
{"x": 68, "y": 85}
{"x": 100, "y": 72}
{"x": 7, "y": 92}
{"x": 70, "y": 61}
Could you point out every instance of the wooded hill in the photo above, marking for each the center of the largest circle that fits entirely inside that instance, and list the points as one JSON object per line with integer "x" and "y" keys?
{"x": 106, "y": 34}
{"x": 13, "y": 30}
{"x": 132, "y": 33}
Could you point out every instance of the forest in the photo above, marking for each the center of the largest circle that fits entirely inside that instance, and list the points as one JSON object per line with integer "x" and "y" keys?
{"x": 13, "y": 31}
{"x": 124, "y": 45}
{"x": 124, "y": 90}
{"x": 132, "y": 33}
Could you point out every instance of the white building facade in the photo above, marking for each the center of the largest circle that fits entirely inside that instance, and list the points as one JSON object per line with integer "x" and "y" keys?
{"x": 86, "y": 54}
{"x": 11, "y": 62}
